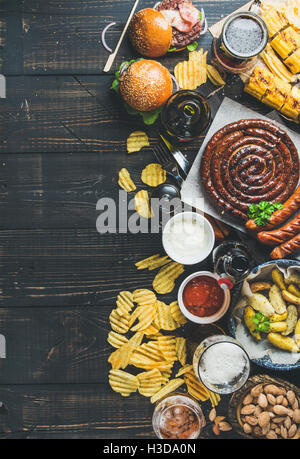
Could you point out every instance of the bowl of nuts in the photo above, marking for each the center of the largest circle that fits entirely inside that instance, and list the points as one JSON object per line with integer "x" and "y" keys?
{"x": 266, "y": 408}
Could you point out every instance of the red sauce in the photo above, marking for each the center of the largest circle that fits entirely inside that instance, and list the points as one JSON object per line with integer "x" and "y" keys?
{"x": 203, "y": 296}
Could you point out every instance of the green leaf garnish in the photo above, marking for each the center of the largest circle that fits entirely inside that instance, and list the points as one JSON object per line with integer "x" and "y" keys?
{"x": 262, "y": 211}
{"x": 149, "y": 118}
{"x": 262, "y": 323}
{"x": 192, "y": 46}
{"x": 171, "y": 50}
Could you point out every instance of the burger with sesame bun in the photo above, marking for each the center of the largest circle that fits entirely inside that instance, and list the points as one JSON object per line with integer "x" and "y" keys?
{"x": 145, "y": 86}
{"x": 172, "y": 25}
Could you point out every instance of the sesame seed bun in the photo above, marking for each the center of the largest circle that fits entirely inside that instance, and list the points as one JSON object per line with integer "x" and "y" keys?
{"x": 146, "y": 85}
{"x": 150, "y": 33}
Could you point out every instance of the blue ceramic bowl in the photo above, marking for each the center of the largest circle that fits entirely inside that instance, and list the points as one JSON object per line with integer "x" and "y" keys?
{"x": 265, "y": 361}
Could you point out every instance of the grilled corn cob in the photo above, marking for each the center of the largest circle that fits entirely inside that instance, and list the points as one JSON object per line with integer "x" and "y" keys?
{"x": 261, "y": 80}
{"x": 275, "y": 64}
{"x": 292, "y": 11}
{"x": 286, "y": 42}
{"x": 276, "y": 21}
{"x": 291, "y": 108}
{"x": 293, "y": 61}
{"x": 276, "y": 96}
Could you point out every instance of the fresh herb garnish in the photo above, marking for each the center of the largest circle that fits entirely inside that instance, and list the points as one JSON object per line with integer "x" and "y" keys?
{"x": 171, "y": 50}
{"x": 262, "y": 323}
{"x": 148, "y": 117}
{"x": 192, "y": 46}
{"x": 262, "y": 212}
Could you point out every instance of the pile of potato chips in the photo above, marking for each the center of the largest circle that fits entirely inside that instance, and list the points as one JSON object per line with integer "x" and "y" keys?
{"x": 148, "y": 348}
{"x": 193, "y": 73}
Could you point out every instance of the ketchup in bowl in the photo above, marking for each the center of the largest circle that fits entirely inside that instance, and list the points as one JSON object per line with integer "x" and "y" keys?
{"x": 202, "y": 296}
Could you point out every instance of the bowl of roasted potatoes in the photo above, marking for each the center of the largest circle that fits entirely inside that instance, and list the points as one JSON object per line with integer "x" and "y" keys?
{"x": 265, "y": 315}
{"x": 266, "y": 408}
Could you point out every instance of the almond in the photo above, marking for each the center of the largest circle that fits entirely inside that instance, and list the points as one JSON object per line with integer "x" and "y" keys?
{"x": 279, "y": 400}
{"x": 283, "y": 432}
{"x": 287, "y": 422}
{"x": 256, "y": 390}
{"x": 280, "y": 410}
{"x": 212, "y": 415}
{"x": 257, "y": 411}
{"x": 224, "y": 426}
{"x": 284, "y": 402}
{"x": 247, "y": 428}
{"x": 271, "y": 435}
{"x": 290, "y": 395}
{"x": 262, "y": 401}
{"x": 248, "y": 409}
{"x": 271, "y": 399}
{"x": 292, "y": 430}
{"x": 295, "y": 405}
{"x": 248, "y": 399}
{"x": 274, "y": 390}
{"x": 263, "y": 419}
{"x": 218, "y": 419}
{"x": 296, "y": 416}
{"x": 252, "y": 420}
{"x": 216, "y": 429}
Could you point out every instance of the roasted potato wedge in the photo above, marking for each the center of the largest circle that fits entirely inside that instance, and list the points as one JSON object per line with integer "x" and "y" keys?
{"x": 278, "y": 327}
{"x": 249, "y": 313}
{"x": 294, "y": 290}
{"x": 278, "y": 279}
{"x": 276, "y": 299}
{"x": 283, "y": 342}
{"x": 260, "y": 303}
{"x": 288, "y": 296}
{"x": 259, "y": 286}
{"x": 293, "y": 278}
{"x": 278, "y": 317}
{"x": 291, "y": 320}
{"x": 297, "y": 332}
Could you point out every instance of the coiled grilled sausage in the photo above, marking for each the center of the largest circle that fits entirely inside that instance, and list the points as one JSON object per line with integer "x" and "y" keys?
{"x": 249, "y": 161}
{"x": 280, "y": 235}
{"x": 286, "y": 249}
{"x": 279, "y": 216}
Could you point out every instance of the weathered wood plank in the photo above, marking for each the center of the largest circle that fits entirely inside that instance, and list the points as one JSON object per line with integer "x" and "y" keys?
{"x": 70, "y": 411}
{"x": 64, "y": 37}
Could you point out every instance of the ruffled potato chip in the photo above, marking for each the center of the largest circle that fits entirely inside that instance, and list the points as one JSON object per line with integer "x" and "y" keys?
{"x": 125, "y": 181}
{"x": 153, "y": 262}
{"x": 163, "y": 318}
{"x": 153, "y": 175}
{"x": 167, "y": 389}
{"x": 144, "y": 297}
{"x": 181, "y": 352}
{"x": 195, "y": 387}
{"x": 142, "y": 204}
{"x": 192, "y": 73}
{"x": 120, "y": 358}
{"x": 123, "y": 382}
{"x": 164, "y": 281}
{"x": 116, "y": 339}
{"x": 119, "y": 324}
{"x": 185, "y": 369}
{"x": 136, "y": 141}
{"x": 177, "y": 314}
{"x": 124, "y": 303}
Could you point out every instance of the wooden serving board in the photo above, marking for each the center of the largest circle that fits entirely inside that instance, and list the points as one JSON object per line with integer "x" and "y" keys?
{"x": 237, "y": 397}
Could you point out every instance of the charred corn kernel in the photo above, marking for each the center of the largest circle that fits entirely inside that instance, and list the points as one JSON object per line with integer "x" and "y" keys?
{"x": 286, "y": 42}
{"x": 260, "y": 80}
{"x": 275, "y": 21}
{"x": 293, "y": 62}
{"x": 291, "y": 107}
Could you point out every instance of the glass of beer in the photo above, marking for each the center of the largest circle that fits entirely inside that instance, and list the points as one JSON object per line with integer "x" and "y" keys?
{"x": 244, "y": 36}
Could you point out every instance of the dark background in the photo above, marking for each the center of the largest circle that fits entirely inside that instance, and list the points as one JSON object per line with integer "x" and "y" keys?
{"x": 62, "y": 142}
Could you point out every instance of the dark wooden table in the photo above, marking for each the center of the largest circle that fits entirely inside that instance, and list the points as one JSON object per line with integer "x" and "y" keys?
{"x": 62, "y": 143}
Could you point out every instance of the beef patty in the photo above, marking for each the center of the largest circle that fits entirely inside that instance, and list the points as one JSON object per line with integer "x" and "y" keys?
{"x": 180, "y": 39}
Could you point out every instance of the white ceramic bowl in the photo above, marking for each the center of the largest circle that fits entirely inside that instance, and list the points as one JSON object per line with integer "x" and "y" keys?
{"x": 197, "y": 257}
{"x": 203, "y": 320}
